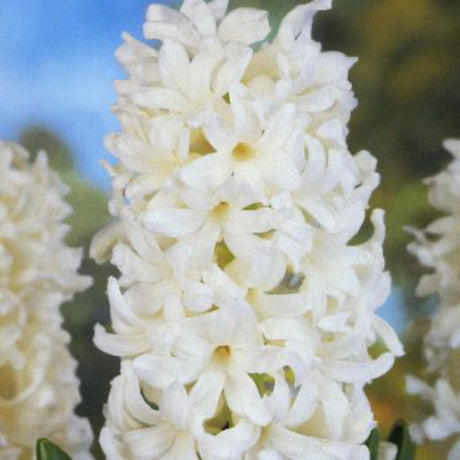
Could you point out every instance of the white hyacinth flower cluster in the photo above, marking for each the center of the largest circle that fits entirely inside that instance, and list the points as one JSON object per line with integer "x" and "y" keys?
{"x": 38, "y": 272}
{"x": 243, "y": 312}
{"x": 438, "y": 248}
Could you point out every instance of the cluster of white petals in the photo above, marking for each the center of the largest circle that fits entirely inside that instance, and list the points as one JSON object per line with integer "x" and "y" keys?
{"x": 244, "y": 312}
{"x": 438, "y": 248}
{"x": 38, "y": 272}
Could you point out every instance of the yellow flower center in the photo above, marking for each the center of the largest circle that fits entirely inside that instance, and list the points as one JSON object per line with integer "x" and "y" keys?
{"x": 221, "y": 210}
{"x": 222, "y": 354}
{"x": 243, "y": 152}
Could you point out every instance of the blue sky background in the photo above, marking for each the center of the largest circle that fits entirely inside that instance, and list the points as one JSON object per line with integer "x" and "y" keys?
{"x": 56, "y": 71}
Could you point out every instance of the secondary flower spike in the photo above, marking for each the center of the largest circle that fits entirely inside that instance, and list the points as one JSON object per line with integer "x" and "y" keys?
{"x": 438, "y": 248}
{"x": 242, "y": 314}
{"x": 38, "y": 272}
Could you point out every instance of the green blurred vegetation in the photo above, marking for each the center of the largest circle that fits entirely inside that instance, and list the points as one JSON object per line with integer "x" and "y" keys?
{"x": 407, "y": 82}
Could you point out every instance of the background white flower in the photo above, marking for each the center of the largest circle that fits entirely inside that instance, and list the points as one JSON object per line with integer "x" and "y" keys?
{"x": 438, "y": 248}
{"x": 242, "y": 297}
{"x": 38, "y": 272}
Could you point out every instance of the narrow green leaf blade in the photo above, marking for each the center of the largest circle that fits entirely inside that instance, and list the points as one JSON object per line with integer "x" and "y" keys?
{"x": 401, "y": 438}
{"x": 373, "y": 444}
{"x": 46, "y": 450}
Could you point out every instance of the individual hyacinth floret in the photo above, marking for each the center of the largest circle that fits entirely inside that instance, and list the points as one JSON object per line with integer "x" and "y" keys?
{"x": 243, "y": 314}
{"x": 38, "y": 272}
{"x": 438, "y": 248}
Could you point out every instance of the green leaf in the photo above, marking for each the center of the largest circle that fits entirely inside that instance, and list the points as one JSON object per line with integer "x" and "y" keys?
{"x": 46, "y": 450}
{"x": 373, "y": 444}
{"x": 401, "y": 438}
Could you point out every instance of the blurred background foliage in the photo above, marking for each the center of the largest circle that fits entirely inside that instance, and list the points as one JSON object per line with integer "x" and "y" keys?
{"x": 407, "y": 82}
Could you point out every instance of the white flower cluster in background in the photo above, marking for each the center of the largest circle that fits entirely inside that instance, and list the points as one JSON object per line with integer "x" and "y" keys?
{"x": 243, "y": 313}
{"x": 38, "y": 272}
{"x": 438, "y": 248}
